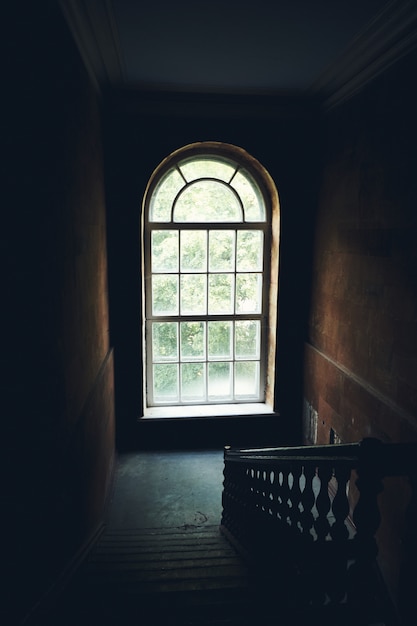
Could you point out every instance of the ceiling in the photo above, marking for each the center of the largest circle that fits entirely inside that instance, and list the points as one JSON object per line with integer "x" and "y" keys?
{"x": 235, "y": 45}
{"x": 232, "y": 46}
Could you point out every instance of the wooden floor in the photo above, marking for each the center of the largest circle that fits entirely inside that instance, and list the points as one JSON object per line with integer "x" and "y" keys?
{"x": 189, "y": 576}
{"x": 162, "y": 561}
{"x": 180, "y": 576}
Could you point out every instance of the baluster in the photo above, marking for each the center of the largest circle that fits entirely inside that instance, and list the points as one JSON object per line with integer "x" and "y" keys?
{"x": 304, "y": 581}
{"x": 337, "y": 581}
{"x": 296, "y": 497}
{"x": 323, "y": 504}
{"x": 248, "y": 511}
{"x": 286, "y": 496}
{"x": 322, "y": 528}
{"x": 229, "y": 498}
{"x": 307, "y": 501}
{"x": 264, "y": 491}
{"x": 271, "y": 496}
{"x": 276, "y": 490}
{"x": 270, "y": 493}
{"x": 366, "y": 517}
{"x": 258, "y": 489}
{"x": 340, "y": 506}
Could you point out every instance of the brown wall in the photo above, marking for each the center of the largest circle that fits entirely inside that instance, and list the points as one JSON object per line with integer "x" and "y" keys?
{"x": 58, "y": 391}
{"x": 361, "y": 354}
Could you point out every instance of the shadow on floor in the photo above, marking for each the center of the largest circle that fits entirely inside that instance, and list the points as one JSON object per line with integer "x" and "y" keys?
{"x": 167, "y": 489}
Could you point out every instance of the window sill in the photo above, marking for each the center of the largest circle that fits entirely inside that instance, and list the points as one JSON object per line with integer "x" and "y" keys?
{"x": 212, "y": 410}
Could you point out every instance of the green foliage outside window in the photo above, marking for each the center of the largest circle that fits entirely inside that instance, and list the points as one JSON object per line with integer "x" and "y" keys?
{"x": 211, "y": 272}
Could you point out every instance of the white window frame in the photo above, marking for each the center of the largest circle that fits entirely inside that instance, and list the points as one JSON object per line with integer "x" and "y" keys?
{"x": 239, "y": 158}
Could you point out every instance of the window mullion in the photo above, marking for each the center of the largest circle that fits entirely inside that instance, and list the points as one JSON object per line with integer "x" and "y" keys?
{"x": 245, "y": 187}
{"x": 235, "y": 274}
{"x": 206, "y": 364}
{"x": 206, "y": 316}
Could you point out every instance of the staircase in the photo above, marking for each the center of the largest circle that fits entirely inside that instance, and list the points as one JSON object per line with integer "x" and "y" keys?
{"x": 186, "y": 576}
{"x": 292, "y": 549}
{"x": 182, "y": 576}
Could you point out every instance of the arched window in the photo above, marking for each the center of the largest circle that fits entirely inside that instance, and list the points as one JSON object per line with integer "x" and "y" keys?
{"x": 210, "y": 259}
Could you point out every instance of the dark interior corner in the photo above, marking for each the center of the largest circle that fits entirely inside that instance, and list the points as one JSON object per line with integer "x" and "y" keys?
{"x": 79, "y": 148}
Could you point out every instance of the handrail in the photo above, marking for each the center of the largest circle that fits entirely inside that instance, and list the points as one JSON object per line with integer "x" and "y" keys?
{"x": 308, "y": 505}
{"x": 325, "y": 450}
{"x": 393, "y": 459}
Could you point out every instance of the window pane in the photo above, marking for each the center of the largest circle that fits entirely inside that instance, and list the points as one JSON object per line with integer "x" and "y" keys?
{"x": 251, "y": 198}
{"x": 220, "y": 340}
{"x": 165, "y": 341}
{"x": 164, "y": 196}
{"x": 207, "y": 168}
{"x": 193, "y": 294}
{"x": 164, "y": 295}
{"x": 194, "y": 251}
{"x": 165, "y": 382}
{"x": 219, "y": 381}
{"x": 221, "y": 293}
{"x": 207, "y": 201}
{"x": 192, "y": 340}
{"x": 247, "y": 339}
{"x": 164, "y": 251}
{"x": 248, "y": 293}
{"x": 206, "y": 243}
{"x": 249, "y": 251}
{"x": 193, "y": 387}
{"x": 222, "y": 250}
{"x": 247, "y": 379}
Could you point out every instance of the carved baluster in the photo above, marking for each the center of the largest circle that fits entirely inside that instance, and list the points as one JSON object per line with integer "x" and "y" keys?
{"x": 250, "y": 522}
{"x": 340, "y": 506}
{"x": 235, "y": 500}
{"x": 323, "y": 504}
{"x": 271, "y": 509}
{"x": 366, "y": 517}
{"x": 264, "y": 491}
{"x": 246, "y": 516}
{"x": 286, "y": 495}
{"x": 226, "y": 514}
{"x": 258, "y": 489}
{"x": 296, "y": 497}
{"x": 277, "y": 493}
{"x": 306, "y": 587}
{"x": 229, "y": 498}
{"x": 307, "y": 501}
{"x": 272, "y": 504}
{"x": 322, "y": 528}
{"x": 337, "y": 581}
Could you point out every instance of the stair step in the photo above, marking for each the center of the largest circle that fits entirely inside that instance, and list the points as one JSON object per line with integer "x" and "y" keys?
{"x": 188, "y": 576}
{"x": 165, "y": 560}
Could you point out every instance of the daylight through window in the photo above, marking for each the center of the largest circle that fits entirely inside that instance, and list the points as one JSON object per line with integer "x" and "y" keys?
{"x": 207, "y": 239}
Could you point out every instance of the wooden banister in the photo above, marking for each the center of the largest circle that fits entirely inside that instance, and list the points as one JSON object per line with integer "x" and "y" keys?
{"x": 292, "y": 508}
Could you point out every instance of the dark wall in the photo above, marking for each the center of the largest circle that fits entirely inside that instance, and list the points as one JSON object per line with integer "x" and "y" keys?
{"x": 57, "y": 387}
{"x": 140, "y": 133}
{"x": 361, "y": 355}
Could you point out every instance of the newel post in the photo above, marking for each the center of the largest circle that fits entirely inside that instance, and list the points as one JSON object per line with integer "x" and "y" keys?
{"x": 226, "y": 482}
{"x": 408, "y": 574}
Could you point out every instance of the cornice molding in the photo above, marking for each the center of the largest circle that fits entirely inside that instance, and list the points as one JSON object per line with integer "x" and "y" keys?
{"x": 93, "y": 26}
{"x": 391, "y": 35}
